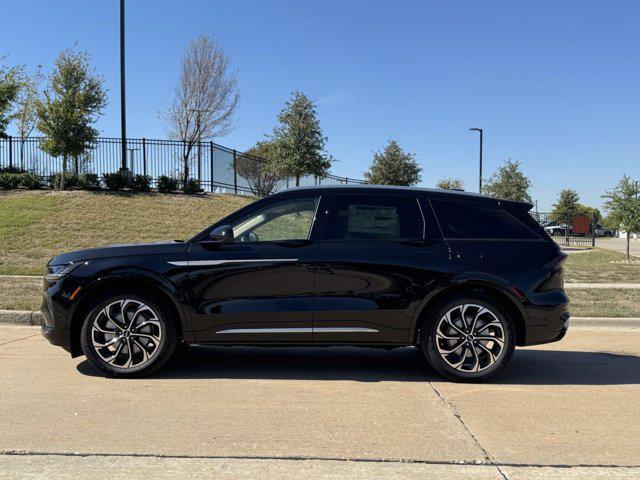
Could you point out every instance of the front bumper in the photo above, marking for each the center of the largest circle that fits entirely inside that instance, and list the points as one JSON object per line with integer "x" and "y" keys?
{"x": 55, "y": 328}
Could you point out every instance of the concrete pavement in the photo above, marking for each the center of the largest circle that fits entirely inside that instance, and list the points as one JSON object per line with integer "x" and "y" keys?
{"x": 619, "y": 245}
{"x": 565, "y": 410}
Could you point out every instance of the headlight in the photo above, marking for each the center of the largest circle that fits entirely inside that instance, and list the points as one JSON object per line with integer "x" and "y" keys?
{"x": 56, "y": 272}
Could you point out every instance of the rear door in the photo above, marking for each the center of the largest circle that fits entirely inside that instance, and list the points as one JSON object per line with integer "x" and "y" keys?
{"x": 378, "y": 257}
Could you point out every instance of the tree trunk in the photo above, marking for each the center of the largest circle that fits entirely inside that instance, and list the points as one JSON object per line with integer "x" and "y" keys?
{"x": 297, "y": 180}
{"x": 21, "y": 153}
{"x": 64, "y": 171}
{"x": 628, "y": 253}
{"x": 185, "y": 173}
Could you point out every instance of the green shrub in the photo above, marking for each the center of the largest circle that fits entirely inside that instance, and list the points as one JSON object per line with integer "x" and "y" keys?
{"x": 89, "y": 181}
{"x": 30, "y": 181}
{"x": 115, "y": 181}
{"x": 9, "y": 181}
{"x": 141, "y": 183}
{"x": 70, "y": 181}
{"x": 167, "y": 184}
{"x": 192, "y": 186}
{"x": 12, "y": 170}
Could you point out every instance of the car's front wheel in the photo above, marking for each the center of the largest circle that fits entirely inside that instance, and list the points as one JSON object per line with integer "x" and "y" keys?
{"x": 468, "y": 338}
{"x": 128, "y": 335}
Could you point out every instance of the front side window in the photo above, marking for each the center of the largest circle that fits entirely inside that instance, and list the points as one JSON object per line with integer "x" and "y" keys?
{"x": 290, "y": 219}
{"x": 373, "y": 217}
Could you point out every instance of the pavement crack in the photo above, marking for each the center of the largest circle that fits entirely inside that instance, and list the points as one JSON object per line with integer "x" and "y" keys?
{"x": 488, "y": 459}
{"x": 18, "y": 339}
{"x": 303, "y": 458}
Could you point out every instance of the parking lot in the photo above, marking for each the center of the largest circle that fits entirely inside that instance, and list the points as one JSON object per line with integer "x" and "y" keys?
{"x": 567, "y": 410}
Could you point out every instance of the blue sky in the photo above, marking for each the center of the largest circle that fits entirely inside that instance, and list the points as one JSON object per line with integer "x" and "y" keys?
{"x": 555, "y": 85}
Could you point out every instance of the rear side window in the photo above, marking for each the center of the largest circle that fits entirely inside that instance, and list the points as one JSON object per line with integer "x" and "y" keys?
{"x": 464, "y": 220}
{"x": 369, "y": 217}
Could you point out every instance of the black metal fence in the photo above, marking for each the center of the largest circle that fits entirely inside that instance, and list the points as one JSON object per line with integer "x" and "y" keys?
{"x": 217, "y": 168}
{"x": 572, "y": 229}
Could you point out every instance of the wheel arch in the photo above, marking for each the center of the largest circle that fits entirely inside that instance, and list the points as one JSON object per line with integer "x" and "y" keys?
{"x": 122, "y": 282}
{"x": 511, "y": 305}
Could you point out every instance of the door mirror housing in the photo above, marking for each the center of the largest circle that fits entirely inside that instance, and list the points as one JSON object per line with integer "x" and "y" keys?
{"x": 222, "y": 234}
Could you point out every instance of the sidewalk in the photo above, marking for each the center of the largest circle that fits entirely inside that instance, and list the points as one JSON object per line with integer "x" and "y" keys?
{"x": 628, "y": 286}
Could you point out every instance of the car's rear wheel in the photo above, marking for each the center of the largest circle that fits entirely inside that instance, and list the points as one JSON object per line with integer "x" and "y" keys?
{"x": 128, "y": 335}
{"x": 468, "y": 338}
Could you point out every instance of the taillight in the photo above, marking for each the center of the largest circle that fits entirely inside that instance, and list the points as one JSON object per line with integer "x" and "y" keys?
{"x": 556, "y": 261}
{"x": 555, "y": 278}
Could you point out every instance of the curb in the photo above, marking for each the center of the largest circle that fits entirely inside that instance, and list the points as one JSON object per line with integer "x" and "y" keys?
{"x": 25, "y": 317}
{"x": 604, "y": 322}
{"x": 21, "y": 317}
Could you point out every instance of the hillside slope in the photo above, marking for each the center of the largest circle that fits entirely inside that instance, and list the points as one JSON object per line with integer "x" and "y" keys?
{"x": 36, "y": 225}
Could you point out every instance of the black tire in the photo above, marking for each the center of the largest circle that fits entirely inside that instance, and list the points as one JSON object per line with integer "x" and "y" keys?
{"x": 431, "y": 344}
{"x": 160, "y": 325}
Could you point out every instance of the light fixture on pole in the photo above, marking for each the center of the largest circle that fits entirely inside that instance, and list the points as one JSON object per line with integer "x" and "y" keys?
{"x": 123, "y": 110}
{"x": 480, "y": 172}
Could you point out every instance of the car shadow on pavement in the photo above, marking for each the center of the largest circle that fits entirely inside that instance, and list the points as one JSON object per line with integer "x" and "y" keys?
{"x": 527, "y": 367}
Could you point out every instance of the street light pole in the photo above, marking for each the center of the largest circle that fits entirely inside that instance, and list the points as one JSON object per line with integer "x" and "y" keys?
{"x": 480, "y": 172}
{"x": 123, "y": 110}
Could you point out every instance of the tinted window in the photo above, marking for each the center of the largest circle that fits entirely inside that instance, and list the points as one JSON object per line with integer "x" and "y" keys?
{"x": 463, "y": 220}
{"x": 373, "y": 217}
{"x": 286, "y": 220}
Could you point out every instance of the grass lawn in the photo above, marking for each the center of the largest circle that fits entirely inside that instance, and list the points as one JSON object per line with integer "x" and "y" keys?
{"x": 36, "y": 225}
{"x": 601, "y": 266}
{"x": 20, "y": 293}
{"x": 25, "y": 294}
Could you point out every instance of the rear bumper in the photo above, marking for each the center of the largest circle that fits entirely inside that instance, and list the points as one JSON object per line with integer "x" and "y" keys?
{"x": 546, "y": 334}
{"x": 548, "y": 319}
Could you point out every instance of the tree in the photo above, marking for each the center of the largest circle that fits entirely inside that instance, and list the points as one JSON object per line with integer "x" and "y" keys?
{"x": 623, "y": 206}
{"x": 450, "y": 184}
{"x": 393, "y": 166}
{"x": 509, "y": 183}
{"x": 206, "y": 97}
{"x": 71, "y": 103}
{"x": 567, "y": 204}
{"x": 591, "y": 212}
{"x": 10, "y": 83}
{"x": 299, "y": 141}
{"x": 26, "y": 115}
{"x": 255, "y": 165}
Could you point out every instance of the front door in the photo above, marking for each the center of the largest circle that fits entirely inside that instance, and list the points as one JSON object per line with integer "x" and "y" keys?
{"x": 260, "y": 287}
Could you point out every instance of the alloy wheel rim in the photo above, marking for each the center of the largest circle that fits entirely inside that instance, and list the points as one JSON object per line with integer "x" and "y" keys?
{"x": 126, "y": 333}
{"x": 470, "y": 338}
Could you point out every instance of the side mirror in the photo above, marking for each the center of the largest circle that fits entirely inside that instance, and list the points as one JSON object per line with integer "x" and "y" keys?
{"x": 222, "y": 234}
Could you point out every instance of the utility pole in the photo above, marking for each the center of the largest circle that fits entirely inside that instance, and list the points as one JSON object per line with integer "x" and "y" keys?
{"x": 480, "y": 170}
{"x": 123, "y": 108}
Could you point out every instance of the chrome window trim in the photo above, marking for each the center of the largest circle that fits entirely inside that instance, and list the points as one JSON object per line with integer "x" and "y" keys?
{"x": 206, "y": 263}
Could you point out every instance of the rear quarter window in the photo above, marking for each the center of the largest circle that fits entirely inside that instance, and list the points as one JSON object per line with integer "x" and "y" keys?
{"x": 465, "y": 220}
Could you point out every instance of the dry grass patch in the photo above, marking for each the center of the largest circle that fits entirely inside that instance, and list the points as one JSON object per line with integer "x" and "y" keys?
{"x": 35, "y": 226}
{"x": 600, "y": 266}
{"x": 20, "y": 293}
{"x": 601, "y": 302}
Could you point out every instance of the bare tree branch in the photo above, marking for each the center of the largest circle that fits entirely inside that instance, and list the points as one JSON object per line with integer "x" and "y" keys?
{"x": 205, "y": 98}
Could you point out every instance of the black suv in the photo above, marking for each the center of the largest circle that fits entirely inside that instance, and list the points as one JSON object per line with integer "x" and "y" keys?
{"x": 463, "y": 277}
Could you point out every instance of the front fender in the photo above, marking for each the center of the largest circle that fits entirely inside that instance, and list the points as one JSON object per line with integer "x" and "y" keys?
{"x": 130, "y": 277}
